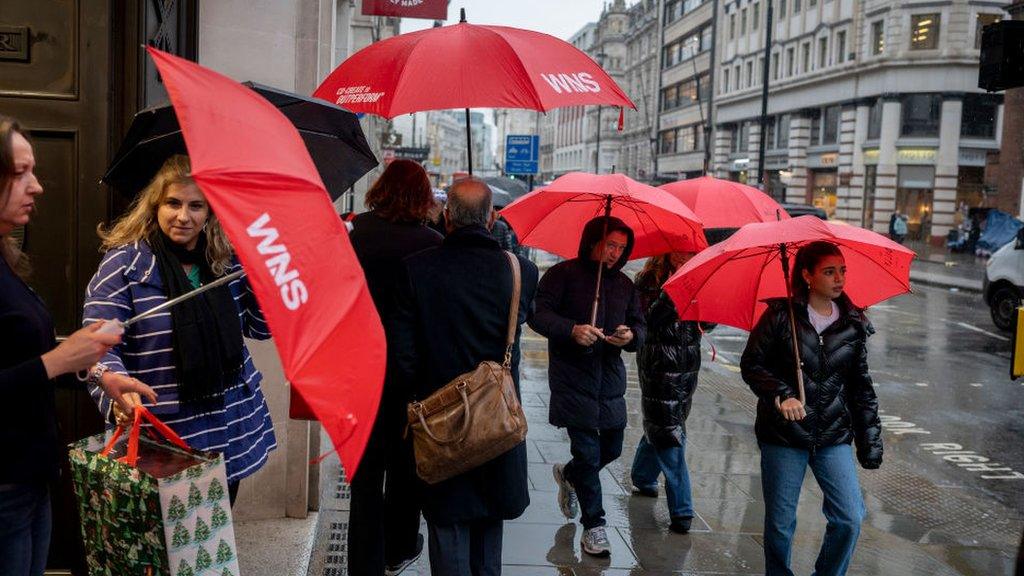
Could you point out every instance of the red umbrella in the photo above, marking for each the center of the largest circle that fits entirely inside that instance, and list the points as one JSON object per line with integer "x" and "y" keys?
{"x": 729, "y": 282}
{"x": 254, "y": 169}
{"x": 552, "y": 218}
{"x": 469, "y": 66}
{"x": 724, "y": 203}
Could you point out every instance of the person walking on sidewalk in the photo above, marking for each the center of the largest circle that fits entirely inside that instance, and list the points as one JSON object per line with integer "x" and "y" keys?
{"x": 384, "y": 522}
{"x": 668, "y": 362}
{"x": 841, "y": 407}
{"x": 586, "y": 372}
{"x": 451, "y": 313}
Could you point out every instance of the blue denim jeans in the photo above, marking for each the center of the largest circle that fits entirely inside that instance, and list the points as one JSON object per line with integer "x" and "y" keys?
{"x": 649, "y": 462}
{"x": 25, "y": 525}
{"x": 592, "y": 450}
{"x": 782, "y": 475}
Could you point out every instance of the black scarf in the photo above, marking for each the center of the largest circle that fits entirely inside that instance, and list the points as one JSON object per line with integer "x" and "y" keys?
{"x": 207, "y": 335}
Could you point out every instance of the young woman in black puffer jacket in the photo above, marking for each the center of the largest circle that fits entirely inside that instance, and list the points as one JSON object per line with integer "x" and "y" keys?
{"x": 668, "y": 362}
{"x": 841, "y": 408}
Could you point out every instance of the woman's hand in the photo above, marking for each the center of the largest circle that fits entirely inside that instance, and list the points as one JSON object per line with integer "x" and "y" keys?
{"x": 127, "y": 393}
{"x": 792, "y": 409}
{"x": 80, "y": 351}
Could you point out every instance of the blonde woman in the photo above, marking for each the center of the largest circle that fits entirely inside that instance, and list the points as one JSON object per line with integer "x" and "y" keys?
{"x": 168, "y": 243}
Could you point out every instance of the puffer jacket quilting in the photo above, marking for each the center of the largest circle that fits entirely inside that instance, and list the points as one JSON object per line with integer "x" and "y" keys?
{"x": 841, "y": 403}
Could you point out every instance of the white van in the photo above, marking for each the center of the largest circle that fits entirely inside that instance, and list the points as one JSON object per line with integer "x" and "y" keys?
{"x": 1003, "y": 286}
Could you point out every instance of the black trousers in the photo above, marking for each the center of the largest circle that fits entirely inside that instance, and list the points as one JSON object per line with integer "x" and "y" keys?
{"x": 466, "y": 549}
{"x": 384, "y": 520}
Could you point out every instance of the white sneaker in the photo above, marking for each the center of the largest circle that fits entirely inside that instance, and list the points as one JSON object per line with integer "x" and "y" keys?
{"x": 595, "y": 542}
{"x": 566, "y": 493}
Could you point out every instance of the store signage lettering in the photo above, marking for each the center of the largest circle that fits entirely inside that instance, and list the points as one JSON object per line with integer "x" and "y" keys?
{"x": 916, "y": 155}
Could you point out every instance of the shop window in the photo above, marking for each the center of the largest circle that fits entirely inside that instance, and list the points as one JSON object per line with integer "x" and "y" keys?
{"x": 914, "y": 198}
{"x": 979, "y": 116}
{"x": 982, "y": 21}
{"x": 823, "y": 191}
{"x": 924, "y": 31}
{"x": 921, "y": 115}
{"x": 877, "y": 37}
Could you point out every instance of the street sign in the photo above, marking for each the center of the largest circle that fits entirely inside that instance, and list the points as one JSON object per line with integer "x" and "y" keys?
{"x": 522, "y": 152}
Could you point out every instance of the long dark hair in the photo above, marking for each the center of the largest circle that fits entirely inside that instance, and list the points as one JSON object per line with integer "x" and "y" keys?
{"x": 808, "y": 258}
{"x": 402, "y": 193}
{"x": 14, "y": 257}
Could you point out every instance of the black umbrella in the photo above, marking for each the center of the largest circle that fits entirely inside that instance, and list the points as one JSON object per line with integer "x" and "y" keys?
{"x": 332, "y": 135}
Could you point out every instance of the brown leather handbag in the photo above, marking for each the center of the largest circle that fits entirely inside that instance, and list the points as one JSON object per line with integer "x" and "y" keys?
{"x": 474, "y": 418}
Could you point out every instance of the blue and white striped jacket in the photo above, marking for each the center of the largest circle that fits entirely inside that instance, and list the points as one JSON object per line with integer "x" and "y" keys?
{"x": 127, "y": 283}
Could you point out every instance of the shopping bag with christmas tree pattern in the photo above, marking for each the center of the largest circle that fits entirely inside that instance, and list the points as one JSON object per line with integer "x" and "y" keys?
{"x": 151, "y": 505}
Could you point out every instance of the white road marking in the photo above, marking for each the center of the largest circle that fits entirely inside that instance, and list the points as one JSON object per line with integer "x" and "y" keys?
{"x": 921, "y": 384}
{"x": 976, "y": 384}
{"x": 982, "y": 331}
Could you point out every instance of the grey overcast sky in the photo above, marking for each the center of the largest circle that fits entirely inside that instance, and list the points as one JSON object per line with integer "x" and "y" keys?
{"x": 560, "y": 18}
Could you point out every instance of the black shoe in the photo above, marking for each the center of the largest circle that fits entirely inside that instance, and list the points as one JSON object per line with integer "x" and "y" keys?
{"x": 681, "y": 525}
{"x": 395, "y": 569}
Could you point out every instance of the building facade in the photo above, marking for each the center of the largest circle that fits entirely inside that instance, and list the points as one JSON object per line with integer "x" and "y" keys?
{"x": 684, "y": 95}
{"x": 873, "y": 107}
{"x": 643, "y": 42}
{"x": 564, "y": 149}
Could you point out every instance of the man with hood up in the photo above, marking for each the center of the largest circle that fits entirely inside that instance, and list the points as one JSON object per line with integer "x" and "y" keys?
{"x": 586, "y": 372}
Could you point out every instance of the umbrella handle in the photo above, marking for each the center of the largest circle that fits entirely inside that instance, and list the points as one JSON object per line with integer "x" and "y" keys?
{"x": 600, "y": 262}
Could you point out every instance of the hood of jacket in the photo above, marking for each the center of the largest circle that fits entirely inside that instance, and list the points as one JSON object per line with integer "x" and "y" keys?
{"x": 594, "y": 232}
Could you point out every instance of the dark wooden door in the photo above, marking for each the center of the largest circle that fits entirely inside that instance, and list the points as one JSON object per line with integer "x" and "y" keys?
{"x": 73, "y": 73}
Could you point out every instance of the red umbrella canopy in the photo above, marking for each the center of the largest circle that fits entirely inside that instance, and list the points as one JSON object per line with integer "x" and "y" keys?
{"x": 469, "y": 66}
{"x": 552, "y": 218}
{"x": 251, "y": 164}
{"x": 729, "y": 282}
{"x": 724, "y": 203}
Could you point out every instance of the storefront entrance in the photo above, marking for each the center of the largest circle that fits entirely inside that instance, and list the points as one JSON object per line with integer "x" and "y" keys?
{"x": 914, "y": 197}
{"x": 823, "y": 190}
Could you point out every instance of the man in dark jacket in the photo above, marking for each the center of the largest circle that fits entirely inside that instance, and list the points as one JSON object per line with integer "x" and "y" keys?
{"x": 451, "y": 314}
{"x": 585, "y": 370}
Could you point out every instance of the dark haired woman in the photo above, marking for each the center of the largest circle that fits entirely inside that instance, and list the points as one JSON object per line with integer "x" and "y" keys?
{"x": 31, "y": 363}
{"x": 668, "y": 363}
{"x": 841, "y": 407}
{"x": 383, "y": 536}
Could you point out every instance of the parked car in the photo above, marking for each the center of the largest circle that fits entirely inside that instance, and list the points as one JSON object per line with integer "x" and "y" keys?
{"x": 795, "y": 210}
{"x": 1003, "y": 285}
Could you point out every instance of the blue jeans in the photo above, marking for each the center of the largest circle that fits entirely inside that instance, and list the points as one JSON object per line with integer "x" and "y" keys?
{"x": 592, "y": 450}
{"x": 466, "y": 549}
{"x": 782, "y": 474}
{"x": 25, "y": 525}
{"x": 649, "y": 462}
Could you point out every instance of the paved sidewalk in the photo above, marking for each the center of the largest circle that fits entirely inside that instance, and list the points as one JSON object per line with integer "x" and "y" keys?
{"x": 940, "y": 267}
{"x": 914, "y": 526}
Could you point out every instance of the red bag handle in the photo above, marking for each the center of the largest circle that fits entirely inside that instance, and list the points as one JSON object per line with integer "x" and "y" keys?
{"x": 132, "y": 455}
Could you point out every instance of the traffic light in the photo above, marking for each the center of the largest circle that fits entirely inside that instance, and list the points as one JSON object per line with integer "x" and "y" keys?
{"x": 1002, "y": 56}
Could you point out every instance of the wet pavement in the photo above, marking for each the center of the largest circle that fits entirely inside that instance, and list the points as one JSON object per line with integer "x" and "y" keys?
{"x": 947, "y": 500}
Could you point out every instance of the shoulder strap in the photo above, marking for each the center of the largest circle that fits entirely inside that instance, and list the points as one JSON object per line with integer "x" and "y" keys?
{"x": 513, "y": 311}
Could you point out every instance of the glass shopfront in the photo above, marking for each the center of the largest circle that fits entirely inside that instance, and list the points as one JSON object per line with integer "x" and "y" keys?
{"x": 823, "y": 190}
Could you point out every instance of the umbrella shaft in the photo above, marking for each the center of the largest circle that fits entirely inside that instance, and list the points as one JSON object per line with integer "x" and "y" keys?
{"x": 185, "y": 296}
{"x": 784, "y": 257}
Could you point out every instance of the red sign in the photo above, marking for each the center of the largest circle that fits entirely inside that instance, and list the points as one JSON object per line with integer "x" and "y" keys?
{"x": 428, "y": 9}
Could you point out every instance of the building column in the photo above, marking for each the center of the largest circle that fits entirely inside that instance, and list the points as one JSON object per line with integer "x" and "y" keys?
{"x": 947, "y": 167}
{"x": 848, "y": 206}
{"x": 722, "y": 143}
{"x": 885, "y": 182}
{"x": 799, "y": 139}
{"x": 862, "y": 116}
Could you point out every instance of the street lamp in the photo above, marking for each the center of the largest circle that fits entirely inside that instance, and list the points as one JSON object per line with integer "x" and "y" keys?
{"x": 597, "y": 160}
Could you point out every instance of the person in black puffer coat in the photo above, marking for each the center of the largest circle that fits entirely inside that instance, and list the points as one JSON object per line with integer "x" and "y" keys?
{"x": 841, "y": 408}
{"x": 668, "y": 361}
